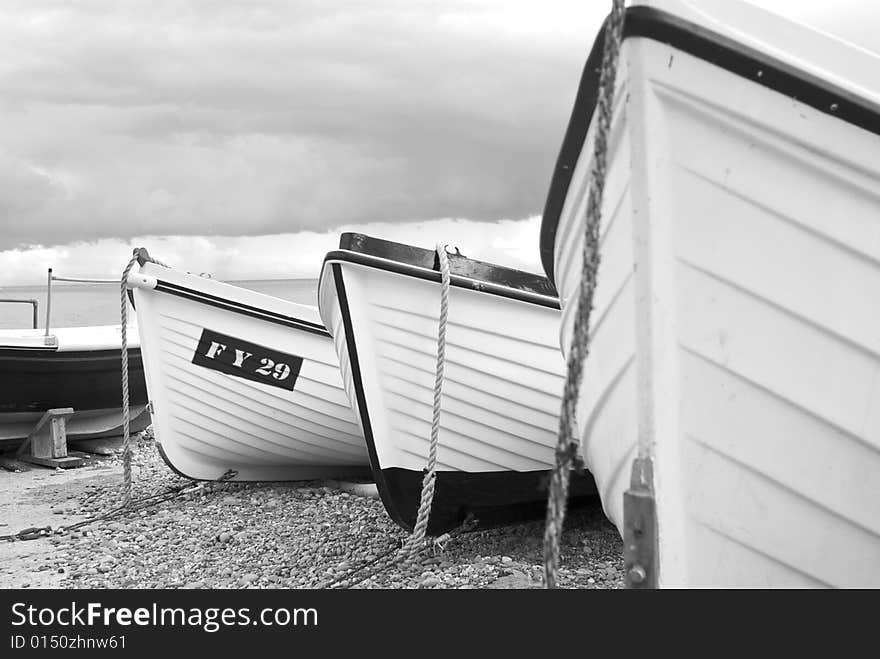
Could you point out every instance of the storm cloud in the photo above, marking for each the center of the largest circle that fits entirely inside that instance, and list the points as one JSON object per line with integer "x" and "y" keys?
{"x": 228, "y": 118}
{"x": 243, "y": 118}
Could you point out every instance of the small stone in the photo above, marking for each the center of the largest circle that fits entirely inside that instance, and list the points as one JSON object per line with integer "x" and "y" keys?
{"x": 248, "y": 578}
{"x": 429, "y": 582}
{"x": 506, "y": 560}
{"x": 224, "y": 537}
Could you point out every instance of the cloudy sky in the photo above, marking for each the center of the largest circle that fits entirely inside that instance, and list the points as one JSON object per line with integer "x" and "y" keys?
{"x": 239, "y": 136}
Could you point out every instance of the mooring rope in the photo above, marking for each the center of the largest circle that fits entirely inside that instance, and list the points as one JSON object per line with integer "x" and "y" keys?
{"x": 409, "y": 551}
{"x": 126, "y": 441}
{"x": 417, "y": 539}
{"x": 568, "y": 443}
{"x": 397, "y": 554}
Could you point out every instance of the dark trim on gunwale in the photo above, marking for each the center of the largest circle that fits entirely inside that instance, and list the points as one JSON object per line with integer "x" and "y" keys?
{"x": 742, "y": 60}
{"x": 432, "y": 275}
{"x": 240, "y": 308}
{"x": 36, "y": 349}
{"x": 493, "y": 497}
{"x": 465, "y": 273}
{"x": 52, "y": 354}
{"x": 460, "y": 265}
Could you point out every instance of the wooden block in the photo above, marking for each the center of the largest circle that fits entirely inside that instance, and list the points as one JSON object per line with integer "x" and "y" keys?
{"x": 48, "y": 439}
{"x": 66, "y": 462}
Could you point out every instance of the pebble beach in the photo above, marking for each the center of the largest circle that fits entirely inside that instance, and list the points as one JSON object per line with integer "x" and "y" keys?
{"x": 277, "y": 535}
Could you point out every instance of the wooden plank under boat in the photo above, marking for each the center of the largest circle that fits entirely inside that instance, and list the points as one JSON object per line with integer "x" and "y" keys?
{"x": 735, "y": 328}
{"x": 78, "y": 367}
{"x": 503, "y": 378}
{"x": 242, "y": 381}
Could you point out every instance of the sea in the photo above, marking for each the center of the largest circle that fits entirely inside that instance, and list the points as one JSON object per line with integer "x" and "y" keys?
{"x": 83, "y": 305}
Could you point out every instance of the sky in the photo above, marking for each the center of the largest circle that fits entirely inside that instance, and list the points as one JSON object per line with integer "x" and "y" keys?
{"x": 239, "y": 137}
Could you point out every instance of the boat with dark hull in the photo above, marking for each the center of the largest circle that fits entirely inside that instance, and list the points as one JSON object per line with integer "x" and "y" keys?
{"x": 78, "y": 367}
{"x": 502, "y": 385}
{"x": 241, "y": 382}
{"x": 735, "y": 342}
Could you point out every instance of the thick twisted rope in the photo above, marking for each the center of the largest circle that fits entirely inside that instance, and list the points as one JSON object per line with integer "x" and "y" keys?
{"x": 568, "y": 444}
{"x": 126, "y": 447}
{"x": 417, "y": 539}
{"x": 126, "y": 441}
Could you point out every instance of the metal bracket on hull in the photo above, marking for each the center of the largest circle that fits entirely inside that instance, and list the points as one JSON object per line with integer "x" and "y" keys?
{"x": 137, "y": 280}
{"x": 640, "y": 528}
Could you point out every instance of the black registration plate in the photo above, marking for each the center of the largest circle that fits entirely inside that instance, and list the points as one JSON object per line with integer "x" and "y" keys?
{"x": 247, "y": 360}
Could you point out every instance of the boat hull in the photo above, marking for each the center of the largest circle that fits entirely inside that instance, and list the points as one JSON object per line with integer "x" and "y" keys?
{"x": 500, "y": 399}
{"x": 734, "y": 329}
{"x": 244, "y": 382}
{"x": 70, "y": 373}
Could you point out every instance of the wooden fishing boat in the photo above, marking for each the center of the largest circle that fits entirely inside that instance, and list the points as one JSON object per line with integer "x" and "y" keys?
{"x": 78, "y": 367}
{"x": 503, "y": 376}
{"x": 242, "y": 381}
{"x": 735, "y": 335}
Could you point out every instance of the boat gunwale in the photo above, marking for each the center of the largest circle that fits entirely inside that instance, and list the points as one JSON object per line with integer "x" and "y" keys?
{"x": 54, "y": 355}
{"x": 459, "y": 281}
{"x": 740, "y": 59}
{"x": 234, "y": 306}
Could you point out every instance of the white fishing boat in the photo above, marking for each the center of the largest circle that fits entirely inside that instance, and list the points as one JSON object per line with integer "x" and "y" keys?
{"x": 241, "y": 382}
{"x": 735, "y": 339}
{"x": 503, "y": 376}
{"x": 68, "y": 367}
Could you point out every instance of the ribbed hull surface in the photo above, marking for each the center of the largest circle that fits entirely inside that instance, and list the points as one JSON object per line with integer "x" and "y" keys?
{"x": 735, "y": 326}
{"x": 503, "y": 376}
{"x": 208, "y": 421}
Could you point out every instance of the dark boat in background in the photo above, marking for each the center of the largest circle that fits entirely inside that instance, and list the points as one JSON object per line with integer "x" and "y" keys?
{"x": 78, "y": 367}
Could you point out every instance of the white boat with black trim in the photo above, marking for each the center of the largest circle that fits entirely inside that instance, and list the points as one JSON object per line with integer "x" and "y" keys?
{"x": 503, "y": 378}
{"x": 242, "y": 381}
{"x": 735, "y": 338}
